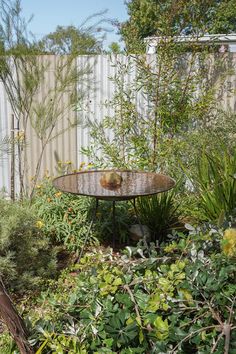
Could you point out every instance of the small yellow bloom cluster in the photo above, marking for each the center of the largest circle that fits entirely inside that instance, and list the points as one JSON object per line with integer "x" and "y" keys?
{"x": 81, "y": 165}
{"x": 64, "y": 167}
{"x": 39, "y": 224}
{"x": 172, "y": 247}
{"x": 58, "y": 194}
{"x": 20, "y": 136}
{"x": 90, "y": 165}
{"x": 229, "y": 242}
{"x": 59, "y": 162}
{"x": 46, "y": 174}
{"x": 62, "y": 163}
{"x": 84, "y": 167}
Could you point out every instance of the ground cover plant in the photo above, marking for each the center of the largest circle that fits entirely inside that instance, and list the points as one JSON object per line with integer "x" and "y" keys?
{"x": 181, "y": 299}
{"x": 64, "y": 217}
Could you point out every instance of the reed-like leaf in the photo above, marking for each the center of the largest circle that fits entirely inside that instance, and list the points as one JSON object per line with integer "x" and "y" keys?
{"x": 159, "y": 213}
{"x": 216, "y": 183}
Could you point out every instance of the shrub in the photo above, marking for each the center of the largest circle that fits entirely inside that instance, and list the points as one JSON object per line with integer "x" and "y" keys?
{"x": 181, "y": 300}
{"x": 65, "y": 216}
{"x": 26, "y": 256}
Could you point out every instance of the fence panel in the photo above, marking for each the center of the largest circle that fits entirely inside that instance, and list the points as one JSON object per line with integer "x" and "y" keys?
{"x": 62, "y": 144}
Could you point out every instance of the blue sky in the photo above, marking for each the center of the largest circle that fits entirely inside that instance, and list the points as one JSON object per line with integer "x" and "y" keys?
{"x": 50, "y": 13}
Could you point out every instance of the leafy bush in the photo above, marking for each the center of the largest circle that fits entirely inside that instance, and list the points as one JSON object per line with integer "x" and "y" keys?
{"x": 26, "y": 256}
{"x": 181, "y": 300}
{"x": 65, "y": 217}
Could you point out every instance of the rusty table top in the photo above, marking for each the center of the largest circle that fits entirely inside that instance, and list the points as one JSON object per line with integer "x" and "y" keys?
{"x": 134, "y": 184}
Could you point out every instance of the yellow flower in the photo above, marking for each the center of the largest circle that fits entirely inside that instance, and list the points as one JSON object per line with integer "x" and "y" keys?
{"x": 20, "y": 136}
{"x": 229, "y": 242}
{"x": 39, "y": 224}
{"x": 90, "y": 165}
{"x": 82, "y": 165}
{"x": 58, "y": 194}
{"x": 171, "y": 248}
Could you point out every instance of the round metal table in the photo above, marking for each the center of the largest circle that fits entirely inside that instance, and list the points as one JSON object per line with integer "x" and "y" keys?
{"x": 134, "y": 184}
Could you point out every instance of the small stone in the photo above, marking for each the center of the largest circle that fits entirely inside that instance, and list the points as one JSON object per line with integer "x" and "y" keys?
{"x": 137, "y": 232}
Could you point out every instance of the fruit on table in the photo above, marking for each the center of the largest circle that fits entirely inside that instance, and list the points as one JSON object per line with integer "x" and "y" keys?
{"x": 111, "y": 179}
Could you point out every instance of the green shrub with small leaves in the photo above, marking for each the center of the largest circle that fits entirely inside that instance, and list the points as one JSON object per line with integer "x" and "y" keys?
{"x": 26, "y": 255}
{"x": 65, "y": 217}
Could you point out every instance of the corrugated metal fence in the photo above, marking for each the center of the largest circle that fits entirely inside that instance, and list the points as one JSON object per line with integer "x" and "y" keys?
{"x": 95, "y": 89}
{"x": 5, "y": 114}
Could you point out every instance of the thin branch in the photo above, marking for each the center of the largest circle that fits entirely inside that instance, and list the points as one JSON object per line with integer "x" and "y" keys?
{"x": 127, "y": 288}
{"x": 216, "y": 343}
{"x": 190, "y": 335}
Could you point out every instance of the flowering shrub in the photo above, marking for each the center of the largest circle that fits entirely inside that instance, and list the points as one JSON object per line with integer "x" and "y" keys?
{"x": 63, "y": 217}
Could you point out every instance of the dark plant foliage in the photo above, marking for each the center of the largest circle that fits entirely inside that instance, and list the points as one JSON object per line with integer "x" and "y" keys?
{"x": 26, "y": 255}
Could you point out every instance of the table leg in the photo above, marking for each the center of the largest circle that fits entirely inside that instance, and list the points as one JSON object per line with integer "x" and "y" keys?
{"x": 77, "y": 260}
{"x": 140, "y": 225}
{"x": 113, "y": 223}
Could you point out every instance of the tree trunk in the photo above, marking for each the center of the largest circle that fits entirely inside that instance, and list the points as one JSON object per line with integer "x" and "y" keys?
{"x": 14, "y": 322}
